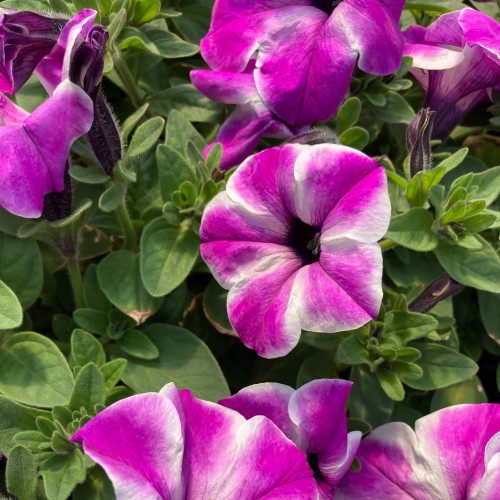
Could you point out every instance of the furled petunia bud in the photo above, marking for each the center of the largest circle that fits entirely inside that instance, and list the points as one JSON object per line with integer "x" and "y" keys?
{"x": 418, "y": 141}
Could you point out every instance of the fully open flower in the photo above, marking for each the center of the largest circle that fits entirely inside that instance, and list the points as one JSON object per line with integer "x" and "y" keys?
{"x": 251, "y": 119}
{"x": 172, "y": 446}
{"x": 294, "y": 239}
{"x": 25, "y": 39}
{"x": 313, "y": 417}
{"x": 457, "y": 62}
{"x": 35, "y": 147}
{"x": 453, "y": 454}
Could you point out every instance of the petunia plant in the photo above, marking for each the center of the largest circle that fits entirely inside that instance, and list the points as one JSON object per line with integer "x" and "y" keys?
{"x": 249, "y": 249}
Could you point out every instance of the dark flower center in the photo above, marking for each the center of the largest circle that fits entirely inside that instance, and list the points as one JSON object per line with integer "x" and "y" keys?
{"x": 326, "y": 5}
{"x": 304, "y": 240}
{"x": 312, "y": 460}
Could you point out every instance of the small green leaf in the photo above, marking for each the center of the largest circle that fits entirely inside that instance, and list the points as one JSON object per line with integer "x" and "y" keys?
{"x": 167, "y": 255}
{"x": 11, "y": 312}
{"x": 89, "y": 389}
{"x": 413, "y": 230}
{"x": 61, "y": 473}
{"x": 454, "y": 160}
{"x": 487, "y": 184}
{"x": 144, "y": 11}
{"x": 395, "y": 110}
{"x": 112, "y": 197}
{"x": 316, "y": 367}
{"x": 89, "y": 175}
{"x": 146, "y": 136}
{"x": 355, "y": 137}
{"x": 85, "y": 348}
{"x": 407, "y": 326}
{"x": 467, "y": 392}
{"x": 21, "y": 474}
{"x": 214, "y": 306}
{"x": 114, "y": 28}
{"x": 97, "y": 486}
{"x": 348, "y": 115}
{"x": 92, "y": 320}
{"x": 113, "y": 372}
{"x": 92, "y": 293}
{"x": 351, "y": 352}
{"x": 391, "y": 384}
{"x": 180, "y": 131}
{"x": 489, "y": 307}
{"x": 454, "y": 213}
{"x": 135, "y": 343}
{"x": 133, "y": 120}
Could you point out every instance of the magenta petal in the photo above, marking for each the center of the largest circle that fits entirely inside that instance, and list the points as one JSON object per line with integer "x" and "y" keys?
{"x": 480, "y": 29}
{"x": 139, "y": 443}
{"x": 373, "y": 32}
{"x": 54, "y": 68}
{"x": 34, "y": 152}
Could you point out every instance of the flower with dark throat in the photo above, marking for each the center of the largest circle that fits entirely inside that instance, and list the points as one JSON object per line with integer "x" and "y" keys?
{"x": 293, "y": 239}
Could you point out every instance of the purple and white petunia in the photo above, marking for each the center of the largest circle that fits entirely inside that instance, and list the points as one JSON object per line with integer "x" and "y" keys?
{"x": 457, "y": 62}
{"x": 453, "y": 454}
{"x": 293, "y": 239}
{"x": 313, "y": 417}
{"x": 35, "y": 147}
{"x": 172, "y": 446}
{"x": 301, "y": 54}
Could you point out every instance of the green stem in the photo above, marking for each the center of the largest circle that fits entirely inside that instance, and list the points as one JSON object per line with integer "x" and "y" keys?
{"x": 387, "y": 245}
{"x": 128, "y": 80}
{"x": 128, "y": 227}
{"x": 76, "y": 280}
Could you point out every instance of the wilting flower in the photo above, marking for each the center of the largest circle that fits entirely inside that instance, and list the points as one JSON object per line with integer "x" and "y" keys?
{"x": 251, "y": 119}
{"x": 301, "y": 53}
{"x": 35, "y": 147}
{"x": 172, "y": 446}
{"x": 454, "y": 453}
{"x": 25, "y": 39}
{"x": 457, "y": 62}
{"x": 293, "y": 238}
{"x": 313, "y": 417}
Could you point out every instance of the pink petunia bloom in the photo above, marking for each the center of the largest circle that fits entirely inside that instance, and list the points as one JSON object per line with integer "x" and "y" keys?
{"x": 172, "y": 446}
{"x": 453, "y": 454}
{"x": 293, "y": 239}
{"x": 457, "y": 62}
{"x": 313, "y": 417}
{"x": 35, "y": 147}
{"x": 301, "y": 54}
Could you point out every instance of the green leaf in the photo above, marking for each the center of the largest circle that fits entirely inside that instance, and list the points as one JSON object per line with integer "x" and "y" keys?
{"x": 348, "y": 115}
{"x": 35, "y": 441}
{"x": 15, "y": 418}
{"x": 351, "y": 352}
{"x": 97, "y": 486}
{"x": 173, "y": 170}
{"x": 487, "y": 184}
{"x": 489, "y": 307}
{"x": 413, "y": 230}
{"x": 454, "y": 213}
{"x": 114, "y": 28}
{"x": 214, "y": 306}
{"x": 144, "y": 11}
{"x": 186, "y": 99}
{"x": 60, "y": 6}
{"x": 92, "y": 293}
{"x": 61, "y": 473}
{"x": 21, "y": 474}
{"x": 133, "y": 120}
{"x": 11, "y": 312}
{"x": 391, "y": 385}
{"x": 120, "y": 279}
{"x": 454, "y": 160}
{"x": 476, "y": 268}
{"x": 34, "y": 371}
{"x": 112, "y": 197}
{"x": 157, "y": 42}
{"x": 355, "y": 137}
{"x": 92, "y": 320}
{"x": 167, "y": 255}
{"x": 184, "y": 359}
{"x": 113, "y": 372}
{"x": 467, "y": 392}
{"x": 135, "y": 343}
{"x": 180, "y": 131}
{"x": 194, "y": 22}
{"x": 395, "y": 110}
{"x": 316, "y": 367}
{"x": 442, "y": 367}
{"x": 85, "y": 348}
{"x": 367, "y": 399}
{"x": 89, "y": 389}
{"x": 21, "y": 268}
{"x": 407, "y": 326}
{"x": 146, "y": 136}
{"x": 89, "y": 175}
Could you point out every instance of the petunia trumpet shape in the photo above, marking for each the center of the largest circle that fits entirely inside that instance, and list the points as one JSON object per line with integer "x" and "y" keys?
{"x": 453, "y": 454}
{"x": 457, "y": 62}
{"x": 172, "y": 446}
{"x": 293, "y": 239}
{"x": 301, "y": 54}
{"x": 35, "y": 147}
{"x": 313, "y": 417}
{"x": 25, "y": 39}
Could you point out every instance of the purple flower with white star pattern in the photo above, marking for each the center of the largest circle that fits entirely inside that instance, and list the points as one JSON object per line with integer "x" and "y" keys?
{"x": 313, "y": 417}
{"x": 172, "y": 446}
{"x": 293, "y": 238}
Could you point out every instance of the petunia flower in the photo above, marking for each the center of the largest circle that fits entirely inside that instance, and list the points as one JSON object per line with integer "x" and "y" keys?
{"x": 313, "y": 417}
{"x": 457, "y": 62}
{"x": 453, "y": 454}
{"x": 25, "y": 39}
{"x": 35, "y": 147}
{"x": 251, "y": 119}
{"x": 301, "y": 53}
{"x": 172, "y": 446}
{"x": 293, "y": 239}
